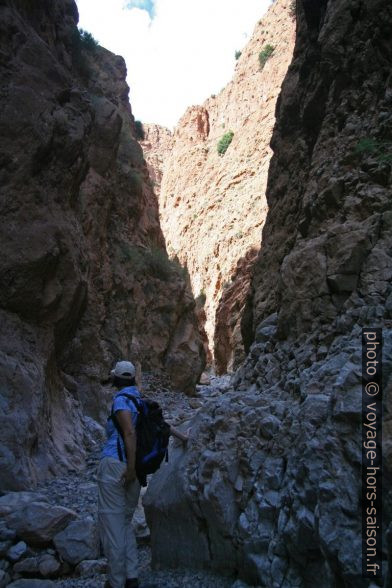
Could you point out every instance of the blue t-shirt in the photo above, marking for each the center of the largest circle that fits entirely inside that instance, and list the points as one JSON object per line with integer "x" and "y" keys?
{"x": 120, "y": 403}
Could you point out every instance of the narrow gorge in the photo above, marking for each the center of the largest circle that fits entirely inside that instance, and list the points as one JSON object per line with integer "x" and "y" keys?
{"x": 213, "y": 205}
{"x": 255, "y": 239}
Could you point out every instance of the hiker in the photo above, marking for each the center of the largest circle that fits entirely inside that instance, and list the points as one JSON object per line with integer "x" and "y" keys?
{"x": 119, "y": 481}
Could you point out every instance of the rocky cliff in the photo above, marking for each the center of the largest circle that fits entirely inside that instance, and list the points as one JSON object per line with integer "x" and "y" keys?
{"x": 213, "y": 205}
{"x": 156, "y": 144}
{"x": 85, "y": 279}
{"x": 270, "y": 487}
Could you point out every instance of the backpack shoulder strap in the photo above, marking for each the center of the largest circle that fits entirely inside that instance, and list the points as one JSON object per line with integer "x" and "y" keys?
{"x": 136, "y": 401}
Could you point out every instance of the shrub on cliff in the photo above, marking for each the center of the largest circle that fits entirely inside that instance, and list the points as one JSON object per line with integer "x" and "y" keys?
{"x": 265, "y": 54}
{"x": 237, "y": 55}
{"x": 151, "y": 261}
{"x": 381, "y": 150}
{"x": 161, "y": 266}
{"x": 159, "y": 263}
{"x": 224, "y": 142}
{"x": 87, "y": 40}
{"x": 135, "y": 180}
{"x": 82, "y": 41}
{"x": 139, "y": 130}
{"x": 293, "y": 8}
{"x": 201, "y": 299}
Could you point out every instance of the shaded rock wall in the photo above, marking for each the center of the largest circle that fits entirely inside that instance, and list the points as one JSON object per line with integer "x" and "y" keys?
{"x": 84, "y": 277}
{"x": 272, "y": 477}
{"x": 229, "y": 342}
{"x": 213, "y": 207}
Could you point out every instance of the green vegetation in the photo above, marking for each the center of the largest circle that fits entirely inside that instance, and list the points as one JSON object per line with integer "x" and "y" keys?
{"x": 382, "y": 150}
{"x": 237, "y": 55}
{"x": 293, "y": 8}
{"x": 87, "y": 40}
{"x": 224, "y": 142}
{"x": 135, "y": 181}
{"x": 139, "y": 130}
{"x": 159, "y": 263}
{"x": 265, "y": 54}
{"x": 201, "y": 299}
{"x": 82, "y": 42}
{"x": 151, "y": 261}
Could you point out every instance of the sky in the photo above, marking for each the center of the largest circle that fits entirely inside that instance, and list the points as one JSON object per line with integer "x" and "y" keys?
{"x": 178, "y": 52}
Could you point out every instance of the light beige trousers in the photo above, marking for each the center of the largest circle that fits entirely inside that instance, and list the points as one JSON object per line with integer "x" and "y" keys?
{"x": 116, "y": 505}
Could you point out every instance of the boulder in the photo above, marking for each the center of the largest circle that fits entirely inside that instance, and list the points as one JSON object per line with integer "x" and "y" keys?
{"x": 6, "y": 534}
{"x": 269, "y": 426}
{"x": 29, "y": 565}
{"x": 165, "y": 493}
{"x": 205, "y": 379}
{"x": 38, "y": 522}
{"x": 91, "y": 567}
{"x": 78, "y": 541}
{"x": 4, "y": 579}
{"x": 17, "y": 551}
{"x": 15, "y": 500}
{"x": 4, "y": 547}
{"x": 49, "y": 566}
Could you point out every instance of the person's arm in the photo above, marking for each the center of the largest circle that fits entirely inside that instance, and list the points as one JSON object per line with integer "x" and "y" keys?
{"x": 124, "y": 420}
{"x": 176, "y": 433}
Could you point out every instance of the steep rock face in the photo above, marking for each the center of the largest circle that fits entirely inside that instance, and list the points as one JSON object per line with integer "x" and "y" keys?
{"x": 213, "y": 206}
{"x": 156, "y": 145}
{"x": 228, "y": 337}
{"x": 271, "y": 481}
{"x": 84, "y": 276}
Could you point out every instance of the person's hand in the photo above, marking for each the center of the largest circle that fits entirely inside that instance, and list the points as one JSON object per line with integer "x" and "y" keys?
{"x": 128, "y": 477}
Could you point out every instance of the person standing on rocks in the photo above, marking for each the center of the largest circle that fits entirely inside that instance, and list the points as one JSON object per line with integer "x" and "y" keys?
{"x": 118, "y": 486}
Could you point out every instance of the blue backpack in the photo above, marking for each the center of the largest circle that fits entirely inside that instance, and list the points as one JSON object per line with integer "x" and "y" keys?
{"x": 152, "y": 437}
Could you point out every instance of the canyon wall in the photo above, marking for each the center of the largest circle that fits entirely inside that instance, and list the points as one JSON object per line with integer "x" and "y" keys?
{"x": 269, "y": 488}
{"x": 84, "y": 276}
{"x": 213, "y": 206}
{"x": 156, "y": 144}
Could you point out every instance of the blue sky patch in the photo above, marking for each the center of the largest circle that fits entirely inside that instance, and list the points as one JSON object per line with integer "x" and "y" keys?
{"x": 147, "y": 5}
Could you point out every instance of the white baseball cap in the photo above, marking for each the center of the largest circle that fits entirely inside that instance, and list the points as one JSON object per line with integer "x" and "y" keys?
{"x": 124, "y": 369}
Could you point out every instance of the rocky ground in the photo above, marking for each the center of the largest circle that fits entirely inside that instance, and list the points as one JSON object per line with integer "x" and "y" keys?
{"x": 78, "y": 491}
